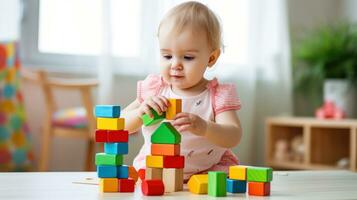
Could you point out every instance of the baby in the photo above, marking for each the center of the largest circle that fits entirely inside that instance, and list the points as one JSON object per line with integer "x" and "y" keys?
{"x": 190, "y": 42}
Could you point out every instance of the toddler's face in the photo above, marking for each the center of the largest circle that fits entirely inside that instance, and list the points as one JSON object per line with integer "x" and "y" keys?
{"x": 184, "y": 57}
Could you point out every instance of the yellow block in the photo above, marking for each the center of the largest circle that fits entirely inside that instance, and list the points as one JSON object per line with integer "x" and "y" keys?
{"x": 108, "y": 185}
{"x": 111, "y": 123}
{"x": 198, "y": 184}
{"x": 174, "y": 108}
{"x": 238, "y": 172}
{"x": 155, "y": 161}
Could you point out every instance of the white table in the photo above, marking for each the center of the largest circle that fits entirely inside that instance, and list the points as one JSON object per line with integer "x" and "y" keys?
{"x": 285, "y": 185}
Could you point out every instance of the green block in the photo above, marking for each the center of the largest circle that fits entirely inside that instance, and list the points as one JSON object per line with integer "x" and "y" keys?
{"x": 166, "y": 134}
{"x": 148, "y": 121}
{"x": 259, "y": 174}
{"x": 108, "y": 159}
{"x": 217, "y": 184}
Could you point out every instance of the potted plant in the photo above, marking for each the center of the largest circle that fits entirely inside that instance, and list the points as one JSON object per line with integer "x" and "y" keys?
{"x": 327, "y": 58}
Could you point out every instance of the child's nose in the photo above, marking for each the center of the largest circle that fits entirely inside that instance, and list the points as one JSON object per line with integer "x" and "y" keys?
{"x": 176, "y": 65}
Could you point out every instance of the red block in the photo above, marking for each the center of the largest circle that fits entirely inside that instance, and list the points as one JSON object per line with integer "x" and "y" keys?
{"x": 174, "y": 162}
{"x": 152, "y": 187}
{"x": 141, "y": 174}
{"x": 117, "y": 136}
{"x": 259, "y": 188}
{"x": 101, "y": 135}
{"x": 126, "y": 185}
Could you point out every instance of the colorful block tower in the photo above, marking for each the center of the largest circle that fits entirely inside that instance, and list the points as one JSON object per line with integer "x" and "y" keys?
{"x": 113, "y": 175}
{"x": 165, "y": 162}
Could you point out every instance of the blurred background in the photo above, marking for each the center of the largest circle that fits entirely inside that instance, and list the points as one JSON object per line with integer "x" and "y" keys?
{"x": 294, "y": 63}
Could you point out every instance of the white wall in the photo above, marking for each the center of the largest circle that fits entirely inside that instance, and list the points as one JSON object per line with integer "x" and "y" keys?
{"x": 10, "y": 15}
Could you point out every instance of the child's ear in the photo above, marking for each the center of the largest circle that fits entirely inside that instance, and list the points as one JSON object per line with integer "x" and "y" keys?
{"x": 214, "y": 57}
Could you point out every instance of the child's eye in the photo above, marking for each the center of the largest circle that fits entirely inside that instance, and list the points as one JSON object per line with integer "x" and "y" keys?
{"x": 168, "y": 57}
{"x": 189, "y": 57}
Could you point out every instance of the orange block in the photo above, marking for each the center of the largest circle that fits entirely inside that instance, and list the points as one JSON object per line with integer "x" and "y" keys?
{"x": 259, "y": 188}
{"x": 133, "y": 173}
{"x": 165, "y": 149}
{"x": 174, "y": 108}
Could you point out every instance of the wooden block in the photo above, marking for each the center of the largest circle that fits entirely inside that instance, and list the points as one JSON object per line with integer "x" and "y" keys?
{"x": 238, "y": 172}
{"x": 108, "y": 184}
{"x": 259, "y": 188}
{"x": 153, "y": 173}
{"x": 152, "y": 187}
{"x": 116, "y": 148}
{"x": 165, "y": 149}
{"x": 148, "y": 121}
{"x": 173, "y": 179}
{"x": 122, "y": 171}
{"x": 141, "y": 173}
{"x": 126, "y": 185}
{"x": 217, "y": 184}
{"x": 107, "y": 171}
{"x": 166, "y": 134}
{"x": 174, "y": 162}
{"x": 117, "y": 136}
{"x": 259, "y": 174}
{"x": 110, "y": 123}
{"x": 198, "y": 184}
{"x": 107, "y": 111}
{"x": 155, "y": 161}
{"x": 108, "y": 159}
{"x": 100, "y": 135}
{"x": 174, "y": 108}
{"x": 133, "y": 174}
{"x": 236, "y": 186}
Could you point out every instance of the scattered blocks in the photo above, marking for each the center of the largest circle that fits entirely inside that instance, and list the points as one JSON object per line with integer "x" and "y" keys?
{"x": 217, "y": 184}
{"x": 198, "y": 184}
{"x": 174, "y": 108}
{"x": 238, "y": 172}
{"x": 133, "y": 174}
{"x": 110, "y": 123}
{"x": 166, "y": 134}
{"x": 116, "y": 148}
{"x": 126, "y": 185}
{"x": 106, "y": 171}
{"x": 173, "y": 179}
{"x": 148, "y": 121}
{"x": 165, "y": 149}
{"x": 107, "y": 111}
{"x": 259, "y": 174}
{"x": 141, "y": 173}
{"x": 259, "y": 188}
{"x": 108, "y": 159}
{"x": 153, "y": 173}
{"x": 108, "y": 184}
{"x": 152, "y": 187}
{"x": 236, "y": 186}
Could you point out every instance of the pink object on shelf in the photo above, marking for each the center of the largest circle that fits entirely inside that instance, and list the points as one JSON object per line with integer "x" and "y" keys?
{"x": 329, "y": 111}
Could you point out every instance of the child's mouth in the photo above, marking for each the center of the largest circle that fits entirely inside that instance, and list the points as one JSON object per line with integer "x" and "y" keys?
{"x": 176, "y": 76}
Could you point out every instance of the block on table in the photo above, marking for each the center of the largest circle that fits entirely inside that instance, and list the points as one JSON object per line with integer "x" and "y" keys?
{"x": 259, "y": 188}
{"x": 108, "y": 184}
{"x": 126, "y": 185}
{"x": 217, "y": 184}
{"x": 153, "y": 173}
{"x": 198, "y": 184}
{"x": 152, "y": 187}
{"x": 107, "y": 111}
{"x": 173, "y": 179}
{"x": 259, "y": 174}
{"x": 133, "y": 174}
{"x": 122, "y": 171}
{"x": 236, "y": 186}
{"x": 107, "y": 171}
{"x": 111, "y": 123}
{"x": 238, "y": 172}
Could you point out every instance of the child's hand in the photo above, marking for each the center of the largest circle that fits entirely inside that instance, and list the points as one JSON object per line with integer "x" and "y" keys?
{"x": 190, "y": 122}
{"x": 158, "y": 103}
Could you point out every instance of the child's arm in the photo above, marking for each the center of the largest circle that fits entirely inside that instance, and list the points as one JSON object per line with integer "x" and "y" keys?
{"x": 225, "y": 132}
{"x": 133, "y": 112}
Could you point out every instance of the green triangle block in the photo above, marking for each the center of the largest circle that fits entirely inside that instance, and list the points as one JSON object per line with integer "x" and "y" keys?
{"x": 166, "y": 134}
{"x": 148, "y": 121}
{"x": 259, "y": 174}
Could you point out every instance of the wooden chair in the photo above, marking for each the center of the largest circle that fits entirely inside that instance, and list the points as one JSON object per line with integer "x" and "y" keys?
{"x": 51, "y": 127}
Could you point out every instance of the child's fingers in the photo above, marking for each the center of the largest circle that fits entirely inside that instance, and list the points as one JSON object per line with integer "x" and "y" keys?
{"x": 181, "y": 121}
{"x": 180, "y": 115}
{"x": 155, "y": 106}
{"x": 147, "y": 110}
{"x": 184, "y": 128}
{"x": 165, "y": 100}
{"x": 161, "y": 103}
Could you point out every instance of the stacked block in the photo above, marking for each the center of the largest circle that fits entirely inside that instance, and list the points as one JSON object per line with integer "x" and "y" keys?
{"x": 165, "y": 162}
{"x": 113, "y": 175}
{"x": 258, "y": 179}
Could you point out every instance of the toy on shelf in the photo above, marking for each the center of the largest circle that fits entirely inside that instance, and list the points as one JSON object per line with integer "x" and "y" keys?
{"x": 281, "y": 152}
{"x": 113, "y": 175}
{"x": 297, "y": 149}
{"x": 329, "y": 110}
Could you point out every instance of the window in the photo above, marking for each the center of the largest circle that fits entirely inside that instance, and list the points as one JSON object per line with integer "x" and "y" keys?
{"x": 72, "y": 31}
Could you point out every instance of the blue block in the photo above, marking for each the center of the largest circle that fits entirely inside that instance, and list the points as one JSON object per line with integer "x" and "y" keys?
{"x": 116, "y": 148}
{"x": 236, "y": 186}
{"x": 122, "y": 171}
{"x": 107, "y": 171}
{"x": 107, "y": 111}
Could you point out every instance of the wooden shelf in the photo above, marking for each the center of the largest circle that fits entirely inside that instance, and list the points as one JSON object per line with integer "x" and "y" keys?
{"x": 325, "y": 142}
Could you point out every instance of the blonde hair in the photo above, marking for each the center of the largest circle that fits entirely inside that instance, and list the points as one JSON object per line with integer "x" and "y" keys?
{"x": 198, "y": 16}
